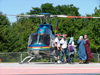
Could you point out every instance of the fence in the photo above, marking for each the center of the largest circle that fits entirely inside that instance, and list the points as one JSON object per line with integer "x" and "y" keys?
{"x": 18, "y": 56}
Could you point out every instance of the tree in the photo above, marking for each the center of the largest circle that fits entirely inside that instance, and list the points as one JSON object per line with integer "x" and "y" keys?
{"x": 22, "y": 29}
{"x": 48, "y": 8}
{"x": 67, "y": 10}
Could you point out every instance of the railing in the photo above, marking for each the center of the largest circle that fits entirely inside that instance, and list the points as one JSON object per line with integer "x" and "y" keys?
{"x": 18, "y": 56}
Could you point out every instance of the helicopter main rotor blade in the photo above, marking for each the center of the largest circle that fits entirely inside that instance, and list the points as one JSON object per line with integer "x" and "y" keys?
{"x": 65, "y": 16}
{"x": 81, "y": 17}
{"x": 26, "y": 15}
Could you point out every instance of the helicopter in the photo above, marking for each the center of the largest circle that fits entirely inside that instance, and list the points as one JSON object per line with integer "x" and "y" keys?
{"x": 41, "y": 43}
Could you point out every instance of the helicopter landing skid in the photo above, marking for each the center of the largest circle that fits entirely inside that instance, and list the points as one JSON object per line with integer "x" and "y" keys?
{"x": 31, "y": 57}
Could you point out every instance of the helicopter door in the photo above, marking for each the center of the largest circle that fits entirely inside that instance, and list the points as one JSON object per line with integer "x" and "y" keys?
{"x": 44, "y": 39}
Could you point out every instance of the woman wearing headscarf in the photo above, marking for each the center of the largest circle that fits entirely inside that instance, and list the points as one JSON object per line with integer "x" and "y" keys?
{"x": 81, "y": 50}
{"x": 71, "y": 47}
{"x": 88, "y": 51}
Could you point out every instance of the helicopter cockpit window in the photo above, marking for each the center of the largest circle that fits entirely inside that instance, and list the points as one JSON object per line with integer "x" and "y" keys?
{"x": 32, "y": 39}
{"x": 44, "y": 39}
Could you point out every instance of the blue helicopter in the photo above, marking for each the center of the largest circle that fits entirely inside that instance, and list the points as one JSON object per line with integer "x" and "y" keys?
{"x": 40, "y": 42}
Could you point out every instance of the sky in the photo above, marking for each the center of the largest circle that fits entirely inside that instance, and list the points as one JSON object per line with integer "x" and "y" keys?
{"x": 16, "y": 7}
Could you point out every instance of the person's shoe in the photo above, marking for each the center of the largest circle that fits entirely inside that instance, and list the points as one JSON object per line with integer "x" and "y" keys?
{"x": 65, "y": 60}
{"x": 59, "y": 62}
{"x": 87, "y": 62}
{"x": 55, "y": 61}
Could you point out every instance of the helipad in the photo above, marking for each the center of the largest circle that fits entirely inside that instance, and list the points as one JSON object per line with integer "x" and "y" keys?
{"x": 49, "y": 69}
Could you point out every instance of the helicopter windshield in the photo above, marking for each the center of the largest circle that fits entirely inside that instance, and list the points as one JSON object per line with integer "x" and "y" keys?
{"x": 32, "y": 39}
{"x": 43, "y": 39}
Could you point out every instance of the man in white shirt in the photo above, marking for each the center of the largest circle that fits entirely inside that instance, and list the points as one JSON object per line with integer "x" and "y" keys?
{"x": 57, "y": 46}
{"x": 64, "y": 49}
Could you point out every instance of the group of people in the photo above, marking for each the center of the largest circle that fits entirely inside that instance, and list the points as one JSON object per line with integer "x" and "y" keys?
{"x": 63, "y": 47}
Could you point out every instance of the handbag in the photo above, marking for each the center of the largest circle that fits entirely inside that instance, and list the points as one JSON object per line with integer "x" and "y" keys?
{"x": 71, "y": 48}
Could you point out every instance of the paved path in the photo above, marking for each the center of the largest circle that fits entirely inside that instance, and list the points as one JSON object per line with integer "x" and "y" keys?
{"x": 49, "y": 69}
